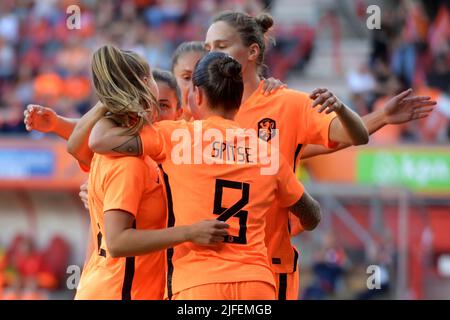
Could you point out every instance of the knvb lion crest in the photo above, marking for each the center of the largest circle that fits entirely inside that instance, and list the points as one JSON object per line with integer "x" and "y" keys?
{"x": 266, "y": 129}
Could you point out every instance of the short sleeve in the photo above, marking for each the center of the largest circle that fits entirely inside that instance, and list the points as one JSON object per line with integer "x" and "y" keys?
{"x": 154, "y": 143}
{"x": 289, "y": 189}
{"x": 124, "y": 185}
{"x": 314, "y": 127}
{"x": 83, "y": 167}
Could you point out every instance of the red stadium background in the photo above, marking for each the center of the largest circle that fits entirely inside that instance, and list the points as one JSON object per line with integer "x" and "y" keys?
{"x": 386, "y": 204}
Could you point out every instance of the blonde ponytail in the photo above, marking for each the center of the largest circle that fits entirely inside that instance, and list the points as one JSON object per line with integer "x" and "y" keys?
{"x": 118, "y": 80}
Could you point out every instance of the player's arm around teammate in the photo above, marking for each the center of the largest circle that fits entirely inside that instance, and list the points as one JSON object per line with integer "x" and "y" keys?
{"x": 76, "y": 132}
{"x": 46, "y": 120}
{"x": 349, "y": 128}
{"x": 400, "y": 109}
{"x": 123, "y": 240}
{"x": 76, "y": 144}
{"x": 243, "y": 37}
{"x": 134, "y": 83}
{"x": 305, "y": 207}
{"x": 123, "y": 198}
{"x": 308, "y": 211}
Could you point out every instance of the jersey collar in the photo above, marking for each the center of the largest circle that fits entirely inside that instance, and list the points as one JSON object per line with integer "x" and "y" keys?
{"x": 255, "y": 93}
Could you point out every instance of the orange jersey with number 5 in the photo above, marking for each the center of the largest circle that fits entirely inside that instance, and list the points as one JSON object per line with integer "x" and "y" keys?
{"x": 288, "y": 114}
{"x": 200, "y": 187}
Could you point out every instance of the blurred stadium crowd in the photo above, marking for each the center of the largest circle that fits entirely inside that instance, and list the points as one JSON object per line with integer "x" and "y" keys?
{"x": 412, "y": 49}
{"x": 43, "y": 62}
{"x": 25, "y": 270}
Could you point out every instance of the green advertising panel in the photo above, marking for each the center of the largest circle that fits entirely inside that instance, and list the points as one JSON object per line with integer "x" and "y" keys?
{"x": 421, "y": 171}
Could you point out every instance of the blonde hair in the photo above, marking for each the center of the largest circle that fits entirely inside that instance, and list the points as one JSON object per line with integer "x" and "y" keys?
{"x": 118, "y": 81}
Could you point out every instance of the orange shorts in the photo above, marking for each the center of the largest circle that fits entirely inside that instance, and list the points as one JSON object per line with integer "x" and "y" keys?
{"x": 287, "y": 285}
{"x": 249, "y": 290}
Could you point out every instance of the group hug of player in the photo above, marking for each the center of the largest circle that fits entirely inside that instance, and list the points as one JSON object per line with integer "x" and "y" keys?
{"x": 165, "y": 229}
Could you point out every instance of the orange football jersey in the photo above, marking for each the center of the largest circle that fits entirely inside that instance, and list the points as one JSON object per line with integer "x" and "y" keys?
{"x": 297, "y": 124}
{"x": 212, "y": 175}
{"x": 134, "y": 185}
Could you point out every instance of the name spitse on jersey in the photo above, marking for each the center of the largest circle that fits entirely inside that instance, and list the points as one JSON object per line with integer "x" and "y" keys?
{"x": 206, "y": 180}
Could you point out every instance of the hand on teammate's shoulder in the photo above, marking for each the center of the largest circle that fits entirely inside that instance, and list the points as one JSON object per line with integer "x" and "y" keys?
{"x": 326, "y": 100}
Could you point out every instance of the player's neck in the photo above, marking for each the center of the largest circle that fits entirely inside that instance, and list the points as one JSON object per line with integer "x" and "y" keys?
{"x": 226, "y": 114}
{"x": 251, "y": 83}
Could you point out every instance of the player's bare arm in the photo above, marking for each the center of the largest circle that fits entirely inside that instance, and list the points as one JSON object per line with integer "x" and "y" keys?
{"x": 109, "y": 139}
{"x": 400, "y": 109}
{"x": 84, "y": 192}
{"x": 347, "y": 127}
{"x": 46, "y": 120}
{"x": 122, "y": 240}
{"x": 77, "y": 145}
{"x": 132, "y": 147}
{"x": 308, "y": 211}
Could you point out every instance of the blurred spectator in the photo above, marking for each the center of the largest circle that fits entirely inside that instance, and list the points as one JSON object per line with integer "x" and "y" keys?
{"x": 9, "y": 22}
{"x": 292, "y": 51}
{"x": 55, "y": 260}
{"x": 389, "y": 134}
{"x": 328, "y": 269}
{"x": 413, "y": 44}
{"x": 26, "y": 260}
{"x": 28, "y": 273}
{"x": 7, "y": 60}
{"x": 439, "y": 76}
{"x": 362, "y": 85}
{"x": 3, "y": 265}
{"x": 48, "y": 87}
{"x": 44, "y": 62}
{"x": 11, "y": 112}
{"x": 383, "y": 257}
{"x": 436, "y": 127}
{"x": 361, "y": 81}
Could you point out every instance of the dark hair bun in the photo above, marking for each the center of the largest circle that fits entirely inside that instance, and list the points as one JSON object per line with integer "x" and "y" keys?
{"x": 229, "y": 68}
{"x": 265, "y": 21}
{"x": 218, "y": 75}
